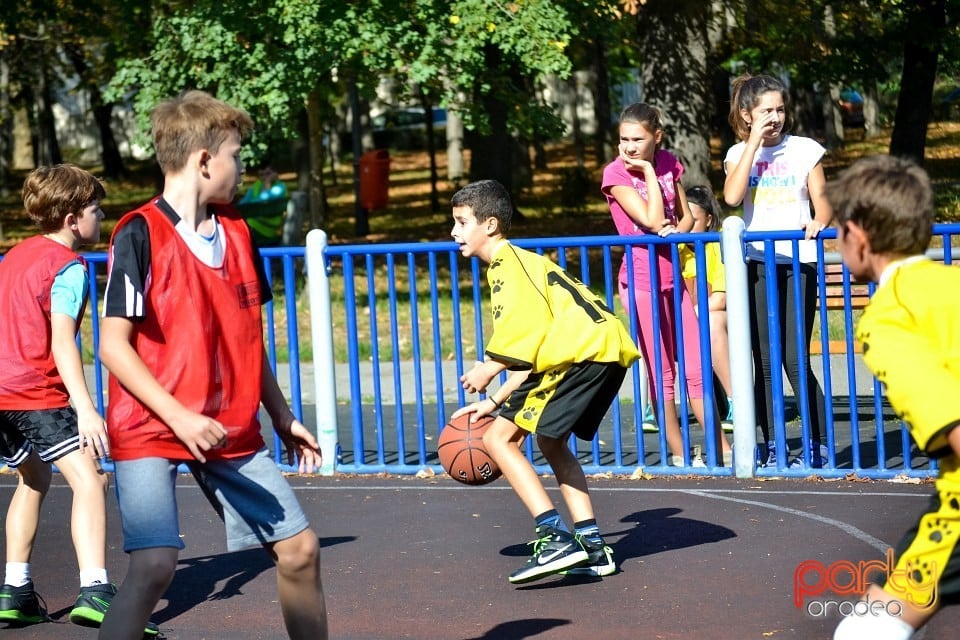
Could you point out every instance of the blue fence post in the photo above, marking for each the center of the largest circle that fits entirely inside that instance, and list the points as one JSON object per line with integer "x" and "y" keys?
{"x": 321, "y": 334}
{"x": 741, "y": 360}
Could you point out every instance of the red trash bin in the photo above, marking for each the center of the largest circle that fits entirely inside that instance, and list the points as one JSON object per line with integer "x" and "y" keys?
{"x": 374, "y": 179}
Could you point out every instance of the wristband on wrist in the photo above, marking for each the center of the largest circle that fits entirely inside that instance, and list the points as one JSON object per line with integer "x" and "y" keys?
{"x": 495, "y": 403}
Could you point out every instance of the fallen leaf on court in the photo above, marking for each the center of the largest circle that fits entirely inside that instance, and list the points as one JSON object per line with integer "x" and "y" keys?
{"x": 905, "y": 479}
{"x": 606, "y": 474}
{"x": 640, "y": 474}
{"x": 426, "y": 472}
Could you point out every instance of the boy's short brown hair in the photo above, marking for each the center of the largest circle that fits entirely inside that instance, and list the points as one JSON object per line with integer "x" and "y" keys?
{"x": 890, "y": 198}
{"x": 488, "y": 199}
{"x": 192, "y": 121}
{"x": 51, "y": 193}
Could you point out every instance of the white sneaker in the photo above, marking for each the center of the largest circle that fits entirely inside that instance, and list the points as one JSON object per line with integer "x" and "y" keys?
{"x": 695, "y": 461}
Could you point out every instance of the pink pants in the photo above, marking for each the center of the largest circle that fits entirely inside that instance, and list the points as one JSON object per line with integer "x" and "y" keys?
{"x": 666, "y": 341}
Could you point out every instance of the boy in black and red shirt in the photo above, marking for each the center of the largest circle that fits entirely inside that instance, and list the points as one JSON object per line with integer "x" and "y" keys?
{"x": 183, "y": 340}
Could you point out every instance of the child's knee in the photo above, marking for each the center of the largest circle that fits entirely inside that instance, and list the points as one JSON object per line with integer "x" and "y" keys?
{"x": 154, "y": 568}
{"x": 500, "y": 434}
{"x": 298, "y": 554}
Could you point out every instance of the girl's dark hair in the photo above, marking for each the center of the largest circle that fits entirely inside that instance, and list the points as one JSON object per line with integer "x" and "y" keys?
{"x": 643, "y": 113}
{"x": 704, "y": 198}
{"x": 745, "y": 95}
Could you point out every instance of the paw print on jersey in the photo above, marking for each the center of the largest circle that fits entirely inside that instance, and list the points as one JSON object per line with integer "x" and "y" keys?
{"x": 938, "y": 530}
{"x": 864, "y": 340}
{"x": 497, "y": 310}
{"x": 496, "y": 263}
{"x": 541, "y": 395}
{"x": 953, "y": 502}
{"x": 496, "y": 285}
{"x": 554, "y": 374}
{"x": 530, "y": 413}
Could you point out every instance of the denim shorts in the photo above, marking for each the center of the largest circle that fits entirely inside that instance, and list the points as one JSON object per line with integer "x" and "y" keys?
{"x": 252, "y": 496}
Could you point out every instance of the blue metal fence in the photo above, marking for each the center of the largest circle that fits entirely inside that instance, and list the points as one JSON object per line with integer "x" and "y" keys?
{"x": 404, "y": 321}
{"x": 414, "y": 320}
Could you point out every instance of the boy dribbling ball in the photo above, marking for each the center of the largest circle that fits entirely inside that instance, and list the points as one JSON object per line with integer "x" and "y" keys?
{"x": 569, "y": 355}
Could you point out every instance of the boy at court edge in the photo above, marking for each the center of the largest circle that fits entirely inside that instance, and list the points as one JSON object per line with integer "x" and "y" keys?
{"x": 46, "y": 413}
{"x": 910, "y": 332}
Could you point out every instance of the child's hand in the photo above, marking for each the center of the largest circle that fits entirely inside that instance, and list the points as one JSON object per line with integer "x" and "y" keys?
{"x": 767, "y": 127}
{"x": 813, "y": 229}
{"x": 634, "y": 163}
{"x": 198, "y": 432}
{"x": 93, "y": 433}
{"x": 479, "y": 409}
{"x": 300, "y": 442}
{"x": 477, "y": 379}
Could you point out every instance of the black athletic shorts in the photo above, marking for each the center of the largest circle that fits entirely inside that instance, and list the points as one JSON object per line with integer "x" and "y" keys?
{"x": 51, "y": 432}
{"x": 565, "y": 400}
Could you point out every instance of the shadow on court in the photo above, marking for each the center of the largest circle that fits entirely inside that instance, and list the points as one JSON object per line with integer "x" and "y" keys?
{"x": 428, "y": 559}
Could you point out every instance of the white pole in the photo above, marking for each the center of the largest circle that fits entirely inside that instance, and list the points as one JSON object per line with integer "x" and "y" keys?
{"x": 321, "y": 334}
{"x": 741, "y": 361}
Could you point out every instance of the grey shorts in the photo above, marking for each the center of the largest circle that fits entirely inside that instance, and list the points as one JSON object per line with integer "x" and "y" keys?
{"x": 51, "y": 432}
{"x": 258, "y": 505}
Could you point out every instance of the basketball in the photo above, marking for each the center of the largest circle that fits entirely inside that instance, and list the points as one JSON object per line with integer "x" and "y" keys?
{"x": 461, "y": 452}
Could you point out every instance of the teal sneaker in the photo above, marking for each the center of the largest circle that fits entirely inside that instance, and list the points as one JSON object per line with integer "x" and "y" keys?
{"x": 22, "y": 605}
{"x": 650, "y": 421}
{"x": 727, "y": 423}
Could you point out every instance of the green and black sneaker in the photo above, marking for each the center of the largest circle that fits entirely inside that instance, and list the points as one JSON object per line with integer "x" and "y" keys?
{"x": 92, "y": 605}
{"x": 22, "y": 605}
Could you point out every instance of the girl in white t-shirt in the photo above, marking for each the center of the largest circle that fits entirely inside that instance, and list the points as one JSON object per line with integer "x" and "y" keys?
{"x": 777, "y": 176}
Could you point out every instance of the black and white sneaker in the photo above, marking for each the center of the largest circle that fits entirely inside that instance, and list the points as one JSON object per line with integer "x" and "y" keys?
{"x": 554, "y": 551}
{"x": 599, "y": 560}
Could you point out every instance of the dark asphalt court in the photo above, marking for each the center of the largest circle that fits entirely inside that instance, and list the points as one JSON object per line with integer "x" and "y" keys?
{"x": 406, "y": 557}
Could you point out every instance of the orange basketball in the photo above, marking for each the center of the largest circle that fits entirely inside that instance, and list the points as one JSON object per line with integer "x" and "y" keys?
{"x": 461, "y": 452}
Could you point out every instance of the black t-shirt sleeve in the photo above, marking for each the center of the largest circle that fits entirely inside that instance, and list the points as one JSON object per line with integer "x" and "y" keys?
{"x": 266, "y": 293}
{"x": 129, "y": 270}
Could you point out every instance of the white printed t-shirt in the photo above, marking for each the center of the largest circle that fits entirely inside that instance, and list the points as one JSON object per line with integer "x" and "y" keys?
{"x": 777, "y": 198}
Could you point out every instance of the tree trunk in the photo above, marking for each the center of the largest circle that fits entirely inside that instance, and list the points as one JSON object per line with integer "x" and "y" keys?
{"x": 603, "y": 140}
{"x": 361, "y": 223}
{"x": 925, "y": 28}
{"x": 6, "y": 126}
{"x": 431, "y": 150}
{"x": 493, "y": 152}
{"x": 317, "y": 201}
{"x": 43, "y": 132}
{"x": 455, "y": 169}
{"x": 113, "y": 166}
{"x": 673, "y": 36}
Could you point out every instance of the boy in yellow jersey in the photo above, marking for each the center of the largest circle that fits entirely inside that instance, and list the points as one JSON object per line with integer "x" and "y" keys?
{"x": 569, "y": 354}
{"x": 911, "y": 341}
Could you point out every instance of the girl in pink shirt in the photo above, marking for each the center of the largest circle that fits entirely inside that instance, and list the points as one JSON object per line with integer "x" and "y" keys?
{"x": 643, "y": 190}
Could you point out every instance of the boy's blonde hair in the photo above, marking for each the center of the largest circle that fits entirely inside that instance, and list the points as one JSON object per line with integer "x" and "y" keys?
{"x": 889, "y": 198}
{"x": 51, "y": 193}
{"x": 192, "y": 121}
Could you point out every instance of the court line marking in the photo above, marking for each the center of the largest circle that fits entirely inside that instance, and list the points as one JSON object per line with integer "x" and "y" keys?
{"x": 713, "y": 494}
{"x": 849, "y": 529}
